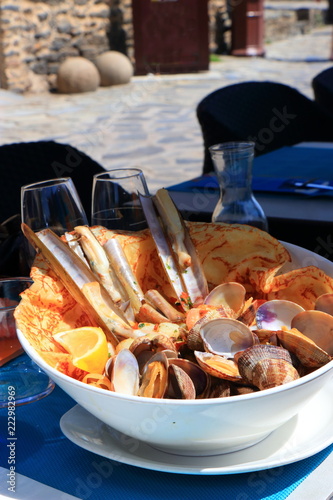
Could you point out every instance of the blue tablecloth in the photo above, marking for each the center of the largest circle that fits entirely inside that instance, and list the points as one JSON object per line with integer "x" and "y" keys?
{"x": 272, "y": 170}
{"x": 43, "y": 453}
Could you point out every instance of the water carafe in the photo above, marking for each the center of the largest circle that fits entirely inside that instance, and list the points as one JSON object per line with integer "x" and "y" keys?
{"x": 233, "y": 166}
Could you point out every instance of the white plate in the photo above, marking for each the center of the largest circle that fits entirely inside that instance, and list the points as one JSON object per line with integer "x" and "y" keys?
{"x": 304, "y": 435}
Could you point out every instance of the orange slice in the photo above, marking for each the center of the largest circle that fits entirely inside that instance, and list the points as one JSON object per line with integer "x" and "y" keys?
{"x": 87, "y": 345}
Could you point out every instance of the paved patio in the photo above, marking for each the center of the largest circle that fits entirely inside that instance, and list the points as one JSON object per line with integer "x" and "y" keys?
{"x": 151, "y": 122}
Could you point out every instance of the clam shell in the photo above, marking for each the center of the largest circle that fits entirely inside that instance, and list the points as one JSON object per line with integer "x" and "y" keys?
{"x": 229, "y": 294}
{"x": 124, "y": 373}
{"x": 154, "y": 381}
{"x": 181, "y": 385}
{"x": 220, "y": 388}
{"x": 226, "y": 336}
{"x": 218, "y": 366}
{"x": 307, "y": 351}
{"x": 266, "y": 366}
{"x": 194, "y": 339}
{"x": 199, "y": 377}
{"x": 274, "y": 314}
{"x": 324, "y": 303}
{"x": 318, "y": 326}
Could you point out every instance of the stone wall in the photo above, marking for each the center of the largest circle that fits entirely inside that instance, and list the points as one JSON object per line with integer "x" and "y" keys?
{"x": 36, "y": 35}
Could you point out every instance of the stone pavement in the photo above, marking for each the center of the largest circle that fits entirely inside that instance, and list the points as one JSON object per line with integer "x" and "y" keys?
{"x": 151, "y": 122}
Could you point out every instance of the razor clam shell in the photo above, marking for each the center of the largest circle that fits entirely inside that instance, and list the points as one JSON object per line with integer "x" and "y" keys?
{"x": 99, "y": 264}
{"x": 193, "y": 276}
{"x": 75, "y": 276}
{"x": 162, "y": 245}
{"x": 160, "y": 303}
{"x": 123, "y": 270}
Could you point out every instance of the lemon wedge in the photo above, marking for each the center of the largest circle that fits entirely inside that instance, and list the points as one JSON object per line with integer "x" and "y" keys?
{"x": 87, "y": 345}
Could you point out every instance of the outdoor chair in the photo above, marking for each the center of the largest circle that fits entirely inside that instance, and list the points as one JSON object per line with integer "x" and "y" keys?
{"x": 271, "y": 114}
{"x": 28, "y": 162}
{"x": 322, "y": 85}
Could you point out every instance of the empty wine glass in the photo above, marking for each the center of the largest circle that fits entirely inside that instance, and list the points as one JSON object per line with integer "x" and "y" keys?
{"x": 53, "y": 204}
{"x": 115, "y": 199}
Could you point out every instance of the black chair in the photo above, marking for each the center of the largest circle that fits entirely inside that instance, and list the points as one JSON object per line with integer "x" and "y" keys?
{"x": 28, "y": 162}
{"x": 271, "y": 114}
{"x": 322, "y": 85}
{"x": 25, "y": 163}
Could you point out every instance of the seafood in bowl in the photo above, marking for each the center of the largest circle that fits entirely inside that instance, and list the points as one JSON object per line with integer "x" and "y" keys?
{"x": 208, "y": 334}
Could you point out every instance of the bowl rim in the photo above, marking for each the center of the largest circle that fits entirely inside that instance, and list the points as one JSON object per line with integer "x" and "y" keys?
{"x": 306, "y": 379}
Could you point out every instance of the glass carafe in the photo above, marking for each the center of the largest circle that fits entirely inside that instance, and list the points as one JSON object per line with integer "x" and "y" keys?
{"x": 233, "y": 166}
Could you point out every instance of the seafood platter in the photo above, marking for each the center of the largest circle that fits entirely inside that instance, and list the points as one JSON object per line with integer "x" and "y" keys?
{"x": 210, "y": 336}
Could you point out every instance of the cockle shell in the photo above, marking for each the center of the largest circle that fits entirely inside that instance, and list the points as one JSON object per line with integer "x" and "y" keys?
{"x": 266, "y": 366}
{"x": 274, "y": 314}
{"x": 318, "y": 326}
{"x": 226, "y": 336}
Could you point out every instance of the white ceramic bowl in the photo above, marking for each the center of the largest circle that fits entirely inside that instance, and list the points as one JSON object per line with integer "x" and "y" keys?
{"x": 199, "y": 427}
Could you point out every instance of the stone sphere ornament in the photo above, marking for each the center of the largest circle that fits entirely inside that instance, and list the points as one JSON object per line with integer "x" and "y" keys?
{"x": 114, "y": 68}
{"x": 76, "y": 75}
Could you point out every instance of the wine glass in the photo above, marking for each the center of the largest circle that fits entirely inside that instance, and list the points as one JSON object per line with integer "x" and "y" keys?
{"x": 21, "y": 380}
{"x": 54, "y": 204}
{"x": 115, "y": 199}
